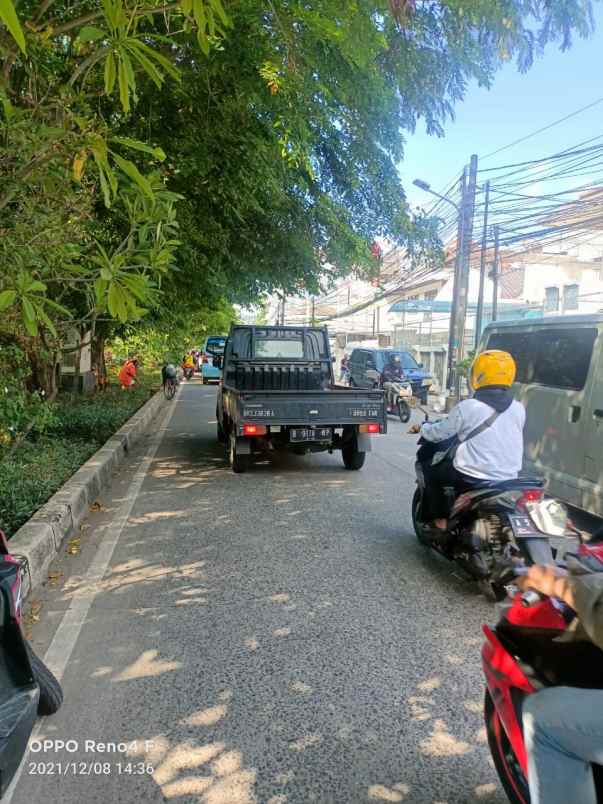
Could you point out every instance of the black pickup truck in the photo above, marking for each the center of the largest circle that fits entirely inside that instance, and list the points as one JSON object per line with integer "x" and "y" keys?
{"x": 278, "y": 393}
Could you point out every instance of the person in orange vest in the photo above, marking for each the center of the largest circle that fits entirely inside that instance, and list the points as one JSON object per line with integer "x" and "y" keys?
{"x": 127, "y": 374}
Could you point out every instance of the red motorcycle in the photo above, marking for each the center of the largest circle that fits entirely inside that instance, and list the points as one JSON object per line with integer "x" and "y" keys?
{"x": 521, "y": 656}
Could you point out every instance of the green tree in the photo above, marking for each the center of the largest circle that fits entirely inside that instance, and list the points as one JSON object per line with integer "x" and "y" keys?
{"x": 191, "y": 151}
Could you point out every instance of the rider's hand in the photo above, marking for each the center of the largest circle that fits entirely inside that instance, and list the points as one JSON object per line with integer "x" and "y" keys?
{"x": 416, "y": 428}
{"x": 548, "y": 580}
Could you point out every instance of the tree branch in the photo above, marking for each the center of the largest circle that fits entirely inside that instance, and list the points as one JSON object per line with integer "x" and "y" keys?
{"x": 95, "y": 15}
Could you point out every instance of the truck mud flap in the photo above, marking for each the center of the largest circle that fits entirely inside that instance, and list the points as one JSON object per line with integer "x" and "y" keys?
{"x": 365, "y": 443}
{"x": 243, "y": 446}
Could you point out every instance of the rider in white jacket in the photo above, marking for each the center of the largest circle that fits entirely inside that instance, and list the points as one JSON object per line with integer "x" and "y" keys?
{"x": 495, "y": 453}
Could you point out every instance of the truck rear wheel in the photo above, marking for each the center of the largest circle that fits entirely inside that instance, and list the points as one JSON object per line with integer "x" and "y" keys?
{"x": 238, "y": 463}
{"x": 353, "y": 459}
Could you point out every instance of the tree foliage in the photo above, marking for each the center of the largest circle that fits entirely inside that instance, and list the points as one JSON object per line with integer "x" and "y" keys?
{"x": 160, "y": 153}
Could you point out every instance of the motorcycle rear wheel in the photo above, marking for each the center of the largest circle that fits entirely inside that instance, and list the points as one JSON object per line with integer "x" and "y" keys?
{"x": 507, "y": 766}
{"x": 416, "y": 522}
{"x": 403, "y": 411}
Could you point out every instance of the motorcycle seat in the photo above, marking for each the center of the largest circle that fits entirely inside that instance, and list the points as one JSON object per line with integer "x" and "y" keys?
{"x": 520, "y": 483}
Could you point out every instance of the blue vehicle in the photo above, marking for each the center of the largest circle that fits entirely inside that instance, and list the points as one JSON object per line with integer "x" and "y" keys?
{"x": 366, "y": 368}
{"x": 214, "y": 347}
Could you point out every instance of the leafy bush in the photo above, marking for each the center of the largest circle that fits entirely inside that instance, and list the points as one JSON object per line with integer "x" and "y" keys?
{"x": 33, "y": 473}
{"x": 18, "y": 406}
{"x": 96, "y": 417}
{"x": 71, "y": 430}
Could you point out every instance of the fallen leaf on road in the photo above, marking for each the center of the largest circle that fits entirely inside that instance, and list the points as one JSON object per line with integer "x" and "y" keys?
{"x": 96, "y": 507}
{"x": 74, "y": 547}
{"x": 54, "y": 578}
{"x": 32, "y": 616}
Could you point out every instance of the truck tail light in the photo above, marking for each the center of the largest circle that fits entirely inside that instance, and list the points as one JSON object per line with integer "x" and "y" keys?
{"x": 369, "y": 428}
{"x": 254, "y": 429}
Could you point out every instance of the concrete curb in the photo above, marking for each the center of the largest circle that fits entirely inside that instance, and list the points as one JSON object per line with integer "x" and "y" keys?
{"x": 38, "y": 541}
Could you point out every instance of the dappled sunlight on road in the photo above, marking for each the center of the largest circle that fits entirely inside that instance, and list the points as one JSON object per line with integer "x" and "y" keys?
{"x": 135, "y": 572}
{"x": 441, "y": 743}
{"x": 148, "y": 664}
{"x": 380, "y": 792}
{"x": 211, "y": 771}
{"x": 154, "y": 516}
{"x": 305, "y": 742}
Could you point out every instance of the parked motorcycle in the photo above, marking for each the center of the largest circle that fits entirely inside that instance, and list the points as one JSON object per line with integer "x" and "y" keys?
{"x": 521, "y": 655}
{"x": 27, "y": 687}
{"x": 398, "y": 396}
{"x": 502, "y": 524}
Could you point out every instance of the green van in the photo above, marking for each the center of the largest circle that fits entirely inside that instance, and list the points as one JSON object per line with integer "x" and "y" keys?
{"x": 560, "y": 382}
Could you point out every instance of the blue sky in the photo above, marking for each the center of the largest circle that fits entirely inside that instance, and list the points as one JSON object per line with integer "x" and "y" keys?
{"x": 517, "y": 104}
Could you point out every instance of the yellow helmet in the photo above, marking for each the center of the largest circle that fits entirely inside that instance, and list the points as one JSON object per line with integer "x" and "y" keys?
{"x": 493, "y": 367}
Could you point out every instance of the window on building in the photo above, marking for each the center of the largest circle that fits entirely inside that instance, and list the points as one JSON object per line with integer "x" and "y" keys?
{"x": 551, "y": 300}
{"x": 559, "y": 358}
{"x": 429, "y": 296}
{"x": 570, "y": 297}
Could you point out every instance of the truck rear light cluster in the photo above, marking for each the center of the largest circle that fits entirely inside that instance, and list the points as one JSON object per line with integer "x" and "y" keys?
{"x": 369, "y": 428}
{"x": 254, "y": 429}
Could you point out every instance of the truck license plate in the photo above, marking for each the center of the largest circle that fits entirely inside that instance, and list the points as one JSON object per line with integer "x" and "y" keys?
{"x": 311, "y": 434}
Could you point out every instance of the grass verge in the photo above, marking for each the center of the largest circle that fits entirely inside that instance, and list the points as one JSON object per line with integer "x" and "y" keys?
{"x": 80, "y": 425}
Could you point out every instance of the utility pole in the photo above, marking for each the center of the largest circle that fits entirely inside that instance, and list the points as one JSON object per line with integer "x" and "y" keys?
{"x": 313, "y": 319}
{"x": 494, "y": 274}
{"x": 461, "y": 289}
{"x": 283, "y": 309}
{"x": 455, "y": 285}
{"x": 482, "y": 269}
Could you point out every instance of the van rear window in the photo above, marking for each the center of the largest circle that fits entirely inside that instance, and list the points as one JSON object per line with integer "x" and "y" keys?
{"x": 559, "y": 358}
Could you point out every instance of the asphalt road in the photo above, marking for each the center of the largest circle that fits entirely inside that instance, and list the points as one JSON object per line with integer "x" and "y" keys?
{"x": 275, "y": 637}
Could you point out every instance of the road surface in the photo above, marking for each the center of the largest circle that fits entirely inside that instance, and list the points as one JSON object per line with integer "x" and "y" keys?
{"x": 276, "y": 637}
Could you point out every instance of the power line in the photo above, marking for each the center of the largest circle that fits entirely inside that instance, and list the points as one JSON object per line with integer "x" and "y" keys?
{"x": 544, "y": 128}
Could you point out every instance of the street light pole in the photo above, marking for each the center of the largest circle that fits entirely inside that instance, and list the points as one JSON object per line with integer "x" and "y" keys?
{"x": 465, "y": 265}
{"x": 458, "y": 313}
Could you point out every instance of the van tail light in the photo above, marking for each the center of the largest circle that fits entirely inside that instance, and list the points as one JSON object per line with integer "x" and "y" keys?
{"x": 254, "y": 429}
{"x": 369, "y": 428}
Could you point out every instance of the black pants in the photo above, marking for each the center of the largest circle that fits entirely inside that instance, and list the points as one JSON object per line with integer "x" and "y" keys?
{"x": 435, "y": 504}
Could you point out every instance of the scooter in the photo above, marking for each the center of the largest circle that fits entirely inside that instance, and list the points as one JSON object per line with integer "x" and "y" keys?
{"x": 522, "y": 654}
{"x": 27, "y": 687}
{"x": 398, "y": 397}
{"x": 188, "y": 372}
{"x": 499, "y": 525}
